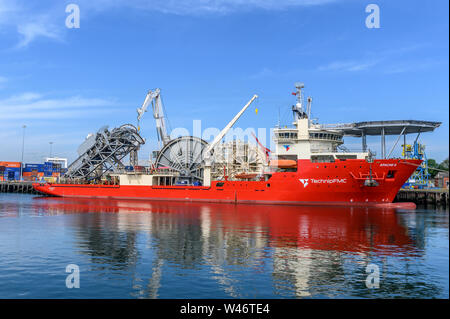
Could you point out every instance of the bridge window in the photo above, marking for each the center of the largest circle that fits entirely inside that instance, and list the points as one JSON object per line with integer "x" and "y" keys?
{"x": 322, "y": 159}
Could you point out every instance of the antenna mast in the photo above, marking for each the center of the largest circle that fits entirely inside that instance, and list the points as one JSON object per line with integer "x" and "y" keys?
{"x": 308, "y": 109}
{"x": 297, "y": 109}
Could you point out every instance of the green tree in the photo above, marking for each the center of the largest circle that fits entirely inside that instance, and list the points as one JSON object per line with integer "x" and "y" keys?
{"x": 432, "y": 164}
{"x": 444, "y": 165}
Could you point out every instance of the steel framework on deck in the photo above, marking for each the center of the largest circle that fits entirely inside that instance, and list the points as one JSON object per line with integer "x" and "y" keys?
{"x": 104, "y": 151}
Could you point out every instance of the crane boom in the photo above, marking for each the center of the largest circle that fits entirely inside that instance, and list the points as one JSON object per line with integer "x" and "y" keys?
{"x": 228, "y": 127}
{"x": 154, "y": 98}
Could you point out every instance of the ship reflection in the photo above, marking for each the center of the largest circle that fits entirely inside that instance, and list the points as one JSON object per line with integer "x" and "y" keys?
{"x": 302, "y": 244}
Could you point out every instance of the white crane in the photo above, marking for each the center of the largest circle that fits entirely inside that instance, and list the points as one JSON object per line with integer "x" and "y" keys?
{"x": 154, "y": 97}
{"x": 207, "y": 154}
{"x": 228, "y": 127}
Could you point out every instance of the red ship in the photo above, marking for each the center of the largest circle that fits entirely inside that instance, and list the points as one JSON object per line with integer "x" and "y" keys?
{"x": 306, "y": 168}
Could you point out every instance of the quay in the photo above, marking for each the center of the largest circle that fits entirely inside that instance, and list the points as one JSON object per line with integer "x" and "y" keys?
{"x": 17, "y": 187}
{"x": 437, "y": 196}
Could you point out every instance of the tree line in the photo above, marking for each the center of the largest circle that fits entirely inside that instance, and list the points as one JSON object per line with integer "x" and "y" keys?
{"x": 434, "y": 167}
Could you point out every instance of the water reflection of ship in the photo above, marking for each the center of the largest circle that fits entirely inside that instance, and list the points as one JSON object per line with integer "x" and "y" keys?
{"x": 306, "y": 242}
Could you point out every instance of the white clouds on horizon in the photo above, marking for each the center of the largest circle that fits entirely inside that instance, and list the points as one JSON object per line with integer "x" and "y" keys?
{"x": 31, "y": 105}
{"x": 49, "y": 118}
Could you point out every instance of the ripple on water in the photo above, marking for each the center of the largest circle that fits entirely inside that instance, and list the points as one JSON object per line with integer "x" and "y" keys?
{"x": 129, "y": 249}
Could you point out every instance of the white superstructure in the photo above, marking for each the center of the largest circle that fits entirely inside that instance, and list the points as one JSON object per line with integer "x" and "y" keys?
{"x": 307, "y": 140}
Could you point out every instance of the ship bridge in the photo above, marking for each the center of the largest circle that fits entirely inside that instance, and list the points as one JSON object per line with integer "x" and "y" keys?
{"x": 383, "y": 128}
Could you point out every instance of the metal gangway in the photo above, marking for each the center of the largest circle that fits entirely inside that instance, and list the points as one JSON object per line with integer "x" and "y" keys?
{"x": 104, "y": 151}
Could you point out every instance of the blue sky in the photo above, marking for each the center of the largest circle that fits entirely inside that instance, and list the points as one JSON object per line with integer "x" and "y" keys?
{"x": 209, "y": 58}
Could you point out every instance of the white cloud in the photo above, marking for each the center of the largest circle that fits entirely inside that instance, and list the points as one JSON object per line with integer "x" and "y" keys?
{"x": 49, "y": 118}
{"x": 29, "y": 23}
{"x": 24, "y": 97}
{"x": 409, "y": 66}
{"x": 44, "y": 20}
{"x": 351, "y": 66}
{"x": 196, "y": 7}
{"x": 6, "y": 7}
{"x": 388, "y": 61}
{"x": 264, "y": 72}
{"x": 33, "y": 30}
{"x": 36, "y": 106}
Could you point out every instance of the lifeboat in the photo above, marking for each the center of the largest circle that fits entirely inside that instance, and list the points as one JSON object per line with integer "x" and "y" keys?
{"x": 283, "y": 163}
{"x": 245, "y": 176}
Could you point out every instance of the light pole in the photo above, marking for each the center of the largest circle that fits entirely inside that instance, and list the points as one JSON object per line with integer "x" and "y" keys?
{"x": 23, "y": 147}
{"x": 51, "y": 143}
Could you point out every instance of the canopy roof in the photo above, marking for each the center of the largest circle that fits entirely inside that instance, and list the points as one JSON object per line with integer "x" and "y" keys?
{"x": 394, "y": 127}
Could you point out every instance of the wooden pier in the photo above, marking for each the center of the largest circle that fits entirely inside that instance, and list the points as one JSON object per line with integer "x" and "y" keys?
{"x": 17, "y": 187}
{"x": 437, "y": 196}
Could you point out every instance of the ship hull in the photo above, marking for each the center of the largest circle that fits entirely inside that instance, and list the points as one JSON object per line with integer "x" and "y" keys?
{"x": 339, "y": 183}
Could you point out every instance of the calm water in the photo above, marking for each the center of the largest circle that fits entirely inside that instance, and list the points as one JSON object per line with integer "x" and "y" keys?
{"x": 137, "y": 249}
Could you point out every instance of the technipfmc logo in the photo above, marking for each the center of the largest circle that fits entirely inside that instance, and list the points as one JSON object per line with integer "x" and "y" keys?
{"x": 304, "y": 181}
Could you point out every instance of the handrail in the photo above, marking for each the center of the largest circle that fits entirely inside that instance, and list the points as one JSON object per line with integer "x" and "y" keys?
{"x": 366, "y": 176}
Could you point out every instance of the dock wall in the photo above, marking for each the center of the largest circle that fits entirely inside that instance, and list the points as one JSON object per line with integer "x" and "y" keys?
{"x": 437, "y": 196}
{"x": 17, "y": 187}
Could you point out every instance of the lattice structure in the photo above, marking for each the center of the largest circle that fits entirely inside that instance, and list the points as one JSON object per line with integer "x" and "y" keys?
{"x": 237, "y": 157}
{"x": 104, "y": 151}
{"x": 421, "y": 177}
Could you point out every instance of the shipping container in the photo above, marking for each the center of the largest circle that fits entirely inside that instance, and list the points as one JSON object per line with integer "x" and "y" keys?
{"x": 13, "y": 171}
{"x": 39, "y": 167}
{"x": 11, "y": 164}
{"x": 28, "y": 165}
